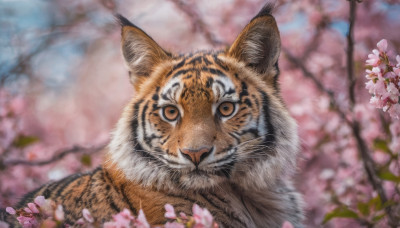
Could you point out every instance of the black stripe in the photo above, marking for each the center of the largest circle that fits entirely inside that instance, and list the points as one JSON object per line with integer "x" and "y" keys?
{"x": 209, "y": 82}
{"x": 253, "y": 131}
{"x": 107, "y": 176}
{"x": 230, "y": 91}
{"x": 206, "y": 61}
{"x": 79, "y": 199}
{"x": 229, "y": 214}
{"x": 269, "y": 139}
{"x": 182, "y": 72}
{"x": 165, "y": 140}
{"x": 126, "y": 199}
{"x": 177, "y": 66}
{"x": 226, "y": 169}
{"x": 244, "y": 91}
{"x": 220, "y": 63}
{"x": 248, "y": 102}
{"x": 65, "y": 182}
{"x": 135, "y": 126}
{"x": 235, "y": 137}
{"x": 213, "y": 71}
{"x": 206, "y": 69}
{"x": 276, "y": 84}
{"x": 134, "y": 123}
{"x": 221, "y": 84}
{"x": 112, "y": 203}
{"x": 196, "y": 60}
{"x": 147, "y": 139}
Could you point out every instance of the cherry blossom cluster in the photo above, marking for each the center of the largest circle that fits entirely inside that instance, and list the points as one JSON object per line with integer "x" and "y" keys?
{"x": 124, "y": 219}
{"x": 45, "y": 213}
{"x": 201, "y": 218}
{"x": 40, "y": 213}
{"x": 384, "y": 80}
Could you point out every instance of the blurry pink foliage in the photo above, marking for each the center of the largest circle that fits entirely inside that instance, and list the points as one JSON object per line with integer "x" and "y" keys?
{"x": 38, "y": 120}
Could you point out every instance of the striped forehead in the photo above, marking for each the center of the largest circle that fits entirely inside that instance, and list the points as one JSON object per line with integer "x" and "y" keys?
{"x": 198, "y": 80}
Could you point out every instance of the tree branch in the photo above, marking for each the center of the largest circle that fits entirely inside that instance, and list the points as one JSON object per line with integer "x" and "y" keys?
{"x": 350, "y": 54}
{"x": 197, "y": 22}
{"x": 56, "y": 157}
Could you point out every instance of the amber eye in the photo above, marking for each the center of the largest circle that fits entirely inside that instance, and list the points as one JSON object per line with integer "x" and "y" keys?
{"x": 170, "y": 113}
{"x": 226, "y": 109}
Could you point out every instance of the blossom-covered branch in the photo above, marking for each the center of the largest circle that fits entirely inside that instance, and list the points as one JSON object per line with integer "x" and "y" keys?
{"x": 56, "y": 157}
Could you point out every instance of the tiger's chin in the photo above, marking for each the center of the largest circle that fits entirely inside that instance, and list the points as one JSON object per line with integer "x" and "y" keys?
{"x": 198, "y": 179}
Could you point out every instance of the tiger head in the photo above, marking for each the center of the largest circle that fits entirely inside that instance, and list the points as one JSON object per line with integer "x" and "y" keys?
{"x": 202, "y": 119}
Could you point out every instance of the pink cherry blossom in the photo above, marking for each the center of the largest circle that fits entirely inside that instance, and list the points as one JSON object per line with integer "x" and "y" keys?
{"x": 380, "y": 87}
{"x": 398, "y": 61}
{"x": 287, "y": 224}
{"x": 86, "y": 215}
{"x": 80, "y": 221}
{"x": 27, "y": 210}
{"x": 394, "y": 111}
{"x": 10, "y": 210}
{"x": 59, "y": 213}
{"x": 202, "y": 216}
{"x": 382, "y": 45}
{"x": 370, "y": 85}
{"x": 183, "y": 215}
{"x": 141, "y": 221}
{"x": 40, "y": 201}
{"x": 170, "y": 212}
{"x": 122, "y": 219}
{"x": 373, "y": 59}
{"x": 375, "y": 101}
{"x": 33, "y": 208}
{"x": 28, "y": 222}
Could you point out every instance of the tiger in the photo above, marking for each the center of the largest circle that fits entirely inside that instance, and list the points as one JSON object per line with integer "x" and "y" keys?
{"x": 208, "y": 128}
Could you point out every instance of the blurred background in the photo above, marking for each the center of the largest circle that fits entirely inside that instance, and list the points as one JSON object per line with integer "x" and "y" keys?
{"x": 63, "y": 85}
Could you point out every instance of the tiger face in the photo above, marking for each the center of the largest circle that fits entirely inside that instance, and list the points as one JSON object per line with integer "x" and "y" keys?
{"x": 202, "y": 119}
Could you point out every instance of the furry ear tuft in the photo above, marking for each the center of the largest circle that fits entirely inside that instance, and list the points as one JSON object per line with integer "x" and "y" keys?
{"x": 259, "y": 44}
{"x": 140, "y": 51}
{"x": 265, "y": 11}
{"x": 121, "y": 20}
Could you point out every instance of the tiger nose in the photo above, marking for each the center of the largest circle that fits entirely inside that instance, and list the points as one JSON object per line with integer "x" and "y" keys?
{"x": 196, "y": 155}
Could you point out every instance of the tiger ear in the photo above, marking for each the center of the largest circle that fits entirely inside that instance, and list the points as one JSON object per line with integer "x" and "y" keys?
{"x": 259, "y": 44}
{"x": 140, "y": 51}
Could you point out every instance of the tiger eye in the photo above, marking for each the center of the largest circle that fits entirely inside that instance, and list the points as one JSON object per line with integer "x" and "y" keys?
{"x": 226, "y": 109}
{"x": 170, "y": 113}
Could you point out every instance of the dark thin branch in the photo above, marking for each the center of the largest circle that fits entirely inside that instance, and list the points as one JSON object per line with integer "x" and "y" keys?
{"x": 197, "y": 22}
{"x": 56, "y": 157}
{"x": 23, "y": 62}
{"x": 350, "y": 54}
